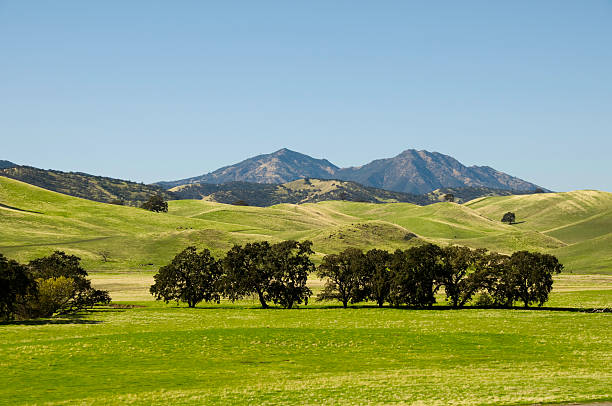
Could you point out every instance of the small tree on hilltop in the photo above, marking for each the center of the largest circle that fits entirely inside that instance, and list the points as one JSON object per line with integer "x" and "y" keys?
{"x": 155, "y": 203}
{"x": 191, "y": 277}
{"x": 290, "y": 264}
{"x": 449, "y": 197}
{"x": 509, "y": 218}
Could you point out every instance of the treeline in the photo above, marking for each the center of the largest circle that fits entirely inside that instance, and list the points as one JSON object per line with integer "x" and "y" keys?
{"x": 278, "y": 273}
{"x": 55, "y": 284}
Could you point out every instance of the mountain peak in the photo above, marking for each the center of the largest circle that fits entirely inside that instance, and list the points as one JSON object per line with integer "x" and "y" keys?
{"x": 411, "y": 171}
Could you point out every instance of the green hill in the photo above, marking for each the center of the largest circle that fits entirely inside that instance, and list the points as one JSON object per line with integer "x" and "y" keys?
{"x": 34, "y": 221}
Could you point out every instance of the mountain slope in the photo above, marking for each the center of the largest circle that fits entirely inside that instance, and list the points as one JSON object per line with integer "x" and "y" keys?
{"x": 278, "y": 167}
{"x": 296, "y": 192}
{"x": 6, "y": 164}
{"x": 422, "y": 171}
{"x": 97, "y": 188}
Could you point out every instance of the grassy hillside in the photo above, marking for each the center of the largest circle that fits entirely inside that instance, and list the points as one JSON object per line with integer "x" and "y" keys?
{"x": 34, "y": 221}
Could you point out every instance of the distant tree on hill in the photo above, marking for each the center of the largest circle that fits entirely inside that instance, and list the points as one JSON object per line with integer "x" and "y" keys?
{"x": 155, "y": 203}
{"x": 509, "y": 218}
{"x": 191, "y": 277}
{"x": 449, "y": 197}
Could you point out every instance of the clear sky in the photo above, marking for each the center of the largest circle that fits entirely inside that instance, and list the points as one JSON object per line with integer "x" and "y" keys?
{"x": 164, "y": 90}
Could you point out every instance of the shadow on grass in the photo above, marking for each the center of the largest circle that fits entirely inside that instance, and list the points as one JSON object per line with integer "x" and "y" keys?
{"x": 77, "y": 318}
{"x": 365, "y": 307}
{"x": 43, "y": 322}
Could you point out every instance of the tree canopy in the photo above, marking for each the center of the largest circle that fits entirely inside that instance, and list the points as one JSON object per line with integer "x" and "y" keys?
{"x": 155, "y": 203}
{"x": 191, "y": 277}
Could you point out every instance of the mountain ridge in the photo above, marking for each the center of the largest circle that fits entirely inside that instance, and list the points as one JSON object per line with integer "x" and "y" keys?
{"x": 411, "y": 171}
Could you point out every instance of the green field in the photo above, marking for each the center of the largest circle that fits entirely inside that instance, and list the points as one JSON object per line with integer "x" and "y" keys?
{"x": 240, "y": 354}
{"x": 236, "y": 353}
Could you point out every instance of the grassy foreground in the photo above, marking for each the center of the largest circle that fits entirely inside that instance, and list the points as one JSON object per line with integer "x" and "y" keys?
{"x": 239, "y": 354}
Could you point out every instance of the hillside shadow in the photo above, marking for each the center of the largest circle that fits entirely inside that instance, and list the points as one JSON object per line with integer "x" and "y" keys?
{"x": 18, "y": 209}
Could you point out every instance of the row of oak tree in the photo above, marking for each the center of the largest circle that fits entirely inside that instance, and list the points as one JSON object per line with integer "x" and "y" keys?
{"x": 278, "y": 273}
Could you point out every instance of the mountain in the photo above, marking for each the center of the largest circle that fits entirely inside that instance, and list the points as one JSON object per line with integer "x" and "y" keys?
{"x": 423, "y": 171}
{"x": 415, "y": 172}
{"x": 96, "y": 188}
{"x": 6, "y": 164}
{"x": 309, "y": 190}
{"x": 296, "y": 192}
{"x": 279, "y": 167}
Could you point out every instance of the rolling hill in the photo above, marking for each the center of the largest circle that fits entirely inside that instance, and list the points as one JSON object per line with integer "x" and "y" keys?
{"x": 416, "y": 172}
{"x": 34, "y": 221}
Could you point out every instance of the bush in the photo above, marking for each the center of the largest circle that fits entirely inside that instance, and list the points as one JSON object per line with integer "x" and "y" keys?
{"x": 59, "y": 264}
{"x": 54, "y": 294}
{"x": 483, "y": 300}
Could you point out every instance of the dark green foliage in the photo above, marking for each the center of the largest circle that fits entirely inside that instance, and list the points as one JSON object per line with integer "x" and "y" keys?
{"x": 16, "y": 283}
{"x": 290, "y": 264}
{"x": 191, "y": 277}
{"x": 449, "y": 197}
{"x": 378, "y": 276}
{"x": 240, "y": 203}
{"x": 414, "y": 272}
{"x": 155, "y": 203}
{"x": 60, "y": 264}
{"x": 345, "y": 274}
{"x": 509, "y": 218}
{"x": 247, "y": 272}
{"x": 454, "y": 274}
{"x": 531, "y": 276}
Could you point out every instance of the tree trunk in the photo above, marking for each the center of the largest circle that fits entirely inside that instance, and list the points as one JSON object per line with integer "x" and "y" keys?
{"x": 344, "y": 303}
{"x": 262, "y": 300}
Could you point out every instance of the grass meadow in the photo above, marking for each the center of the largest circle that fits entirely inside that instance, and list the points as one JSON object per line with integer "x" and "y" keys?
{"x": 237, "y": 353}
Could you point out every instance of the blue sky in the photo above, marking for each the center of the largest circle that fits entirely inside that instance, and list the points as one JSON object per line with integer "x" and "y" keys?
{"x": 153, "y": 91}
